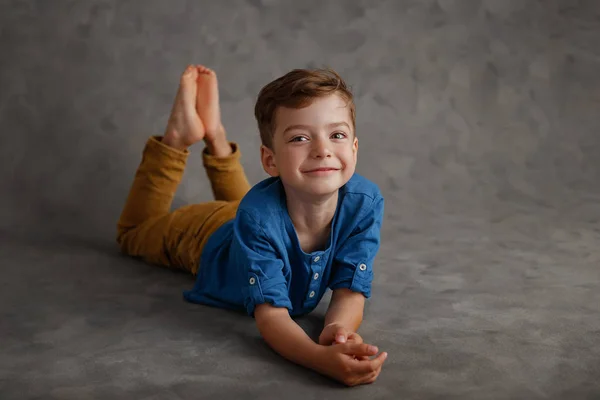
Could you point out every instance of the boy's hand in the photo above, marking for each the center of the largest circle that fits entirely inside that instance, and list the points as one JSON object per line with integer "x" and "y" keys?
{"x": 335, "y": 334}
{"x": 340, "y": 363}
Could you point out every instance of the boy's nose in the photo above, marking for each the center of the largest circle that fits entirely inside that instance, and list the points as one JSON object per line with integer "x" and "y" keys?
{"x": 320, "y": 149}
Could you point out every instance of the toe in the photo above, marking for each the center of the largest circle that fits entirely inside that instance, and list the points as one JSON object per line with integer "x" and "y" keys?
{"x": 188, "y": 70}
{"x": 188, "y": 86}
{"x": 189, "y": 74}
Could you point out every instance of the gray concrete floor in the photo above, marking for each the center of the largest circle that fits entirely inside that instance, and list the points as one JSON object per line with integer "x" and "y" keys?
{"x": 478, "y": 119}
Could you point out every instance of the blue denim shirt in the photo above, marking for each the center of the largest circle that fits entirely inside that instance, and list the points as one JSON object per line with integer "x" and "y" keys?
{"x": 256, "y": 258}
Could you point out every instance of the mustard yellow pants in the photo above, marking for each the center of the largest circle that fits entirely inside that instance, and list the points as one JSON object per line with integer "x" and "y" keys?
{"x": 147, "y": 229}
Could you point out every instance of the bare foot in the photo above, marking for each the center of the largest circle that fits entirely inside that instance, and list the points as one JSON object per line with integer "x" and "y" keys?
{"x": 207, "y": 101}
{"x": 185, "y": 126}
{"x": 209, "y": 111}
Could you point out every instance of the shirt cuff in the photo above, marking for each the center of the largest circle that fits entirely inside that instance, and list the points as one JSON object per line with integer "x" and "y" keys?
{"x": 357, "y": 278}
{"x": 259, "y": 291}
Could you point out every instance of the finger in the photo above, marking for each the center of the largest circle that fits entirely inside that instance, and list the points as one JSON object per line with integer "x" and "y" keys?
{"x": 368, "y": 366}
{"x": 355, "y": 337}
{"x": 372, "y": 377}
{"x": 367, "y": 377}
{"x": 360, "y": 349}
{"x": 378, "y": 361}
{"x": 341, "y": 335}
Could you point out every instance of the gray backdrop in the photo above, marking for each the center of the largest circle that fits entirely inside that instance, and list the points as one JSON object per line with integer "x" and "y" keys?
{"x": 477, "y": 119}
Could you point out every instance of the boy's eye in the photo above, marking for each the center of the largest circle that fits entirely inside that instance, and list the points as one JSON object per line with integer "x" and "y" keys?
{"x": 337, "y": 135}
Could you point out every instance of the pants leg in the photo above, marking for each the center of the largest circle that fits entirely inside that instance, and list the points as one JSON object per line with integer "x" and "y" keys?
{"x": 147, "y": 229}
{"x": 226, "y": 175}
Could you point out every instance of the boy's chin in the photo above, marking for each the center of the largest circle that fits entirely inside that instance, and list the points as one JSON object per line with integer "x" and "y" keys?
{"x": 322, "y": 189}
{"x": 316, "y": 187}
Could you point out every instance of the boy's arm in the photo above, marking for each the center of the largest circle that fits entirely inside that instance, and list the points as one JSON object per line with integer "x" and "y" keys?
{"x": 352, "y": 274}
{"x": 345, "y": 309}
{"x": 348, "y": 363}
{"x": 285, "y": 336}
{"x": 343, "y": 317}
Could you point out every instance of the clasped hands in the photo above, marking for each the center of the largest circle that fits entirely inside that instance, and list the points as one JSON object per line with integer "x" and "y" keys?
{"x": 349, "y": 359}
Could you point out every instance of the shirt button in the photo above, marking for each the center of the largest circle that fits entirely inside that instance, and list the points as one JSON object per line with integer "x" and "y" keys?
{"x": 317, "y": 258}
{"x": 316, "y": 276}
{"x": 362, "y": 267}
{"x": 312, "y": 294}
{"x": 252, "y": 281}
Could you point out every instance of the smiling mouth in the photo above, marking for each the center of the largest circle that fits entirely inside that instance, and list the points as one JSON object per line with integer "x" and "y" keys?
{"x": 322, "y": 170}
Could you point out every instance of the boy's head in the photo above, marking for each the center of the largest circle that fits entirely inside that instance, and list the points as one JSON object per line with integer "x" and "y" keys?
{"x": 306, "y": 121}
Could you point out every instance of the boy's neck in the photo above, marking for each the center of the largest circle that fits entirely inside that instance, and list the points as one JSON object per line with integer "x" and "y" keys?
{"x": 311, "y": 215}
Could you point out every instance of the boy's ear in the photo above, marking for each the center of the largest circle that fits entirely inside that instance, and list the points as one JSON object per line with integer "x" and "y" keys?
{"x": 355, "y": 147}
{"x": 267, "y": 157}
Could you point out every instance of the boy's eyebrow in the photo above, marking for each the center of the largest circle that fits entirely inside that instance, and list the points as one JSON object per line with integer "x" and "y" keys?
{"x": 329, "y": 126}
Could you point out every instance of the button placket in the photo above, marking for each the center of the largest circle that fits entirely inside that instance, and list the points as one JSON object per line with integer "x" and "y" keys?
{"x": 314, "y": 284}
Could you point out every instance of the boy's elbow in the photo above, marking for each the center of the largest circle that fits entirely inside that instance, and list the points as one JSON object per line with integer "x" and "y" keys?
{"x": 266, "y": 313}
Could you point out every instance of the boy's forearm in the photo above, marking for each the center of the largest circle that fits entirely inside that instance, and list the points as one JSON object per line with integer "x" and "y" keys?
{"x": 288, "y": 339}
{"x": 346, "y": 308}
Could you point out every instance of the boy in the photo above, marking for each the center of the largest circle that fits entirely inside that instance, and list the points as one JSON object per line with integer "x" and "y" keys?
{"x": 273, "y": 249}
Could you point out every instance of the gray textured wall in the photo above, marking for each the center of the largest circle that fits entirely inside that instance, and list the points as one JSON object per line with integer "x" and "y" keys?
{"x": 478, "y": 119}
{"x": 463, "y": 105}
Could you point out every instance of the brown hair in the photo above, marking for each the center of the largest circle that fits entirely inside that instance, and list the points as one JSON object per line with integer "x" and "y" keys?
{"x": 297, "y": 89}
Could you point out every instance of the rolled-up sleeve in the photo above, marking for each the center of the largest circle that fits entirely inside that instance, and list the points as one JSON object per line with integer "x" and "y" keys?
{"x": 260, "y": 265}
{"x": 353, "y": 262}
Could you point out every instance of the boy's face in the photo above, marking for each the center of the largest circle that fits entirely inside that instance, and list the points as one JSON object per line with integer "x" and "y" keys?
{"x": 314, "y": 148}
